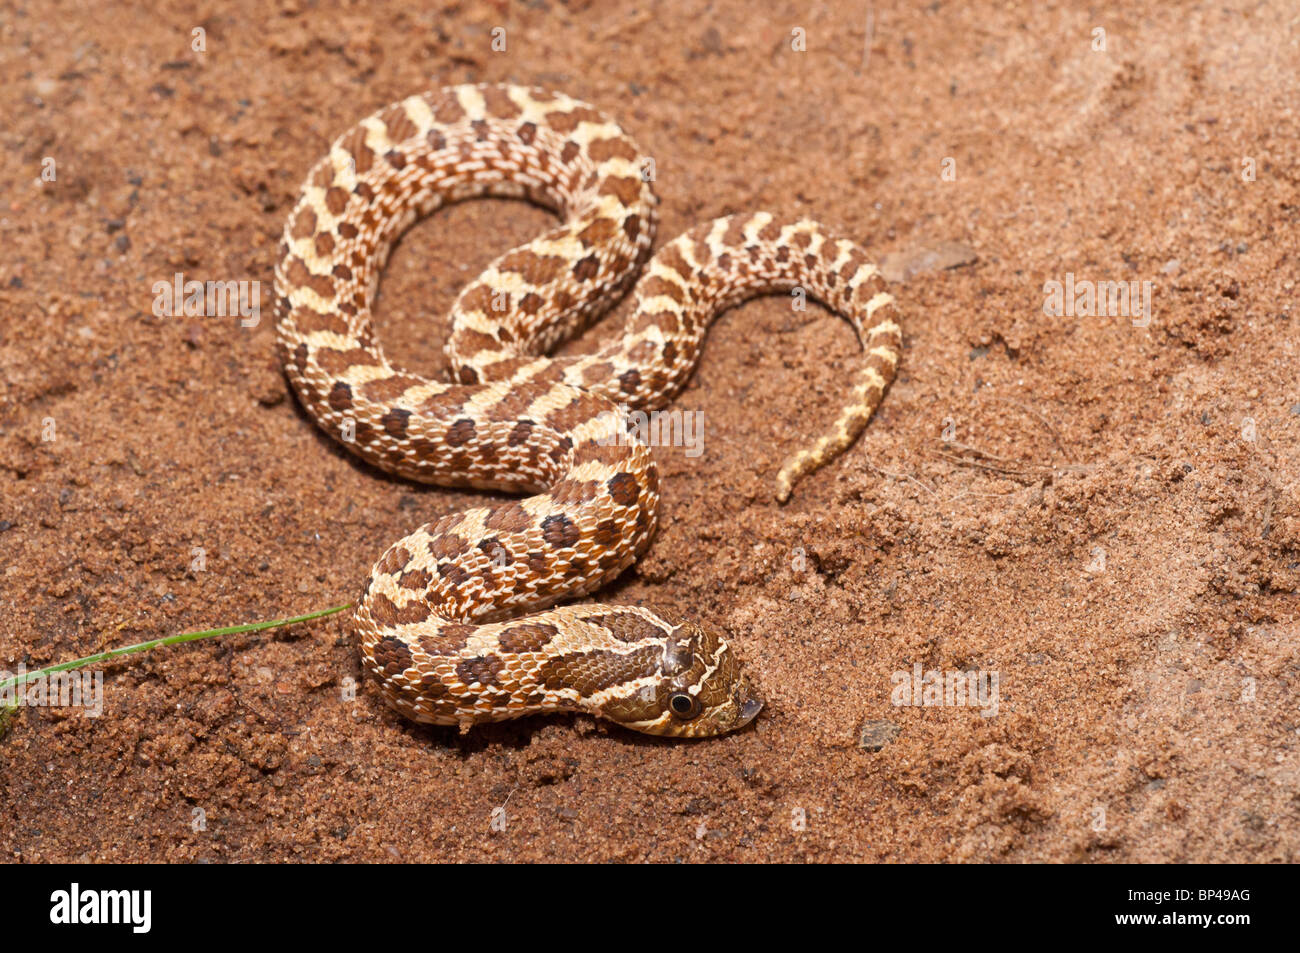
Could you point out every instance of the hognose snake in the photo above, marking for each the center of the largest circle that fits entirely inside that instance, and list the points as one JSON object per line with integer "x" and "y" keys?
{"x": 455, "y": 621}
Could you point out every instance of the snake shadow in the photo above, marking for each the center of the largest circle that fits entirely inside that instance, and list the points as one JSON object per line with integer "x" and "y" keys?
{"x": 518, "y": 733}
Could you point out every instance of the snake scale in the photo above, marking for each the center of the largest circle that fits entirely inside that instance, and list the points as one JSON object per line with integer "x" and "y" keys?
{"x": 458, "y": 621}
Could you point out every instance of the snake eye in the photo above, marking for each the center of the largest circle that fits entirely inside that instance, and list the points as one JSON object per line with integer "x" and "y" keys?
{"x": 684, "y": 705}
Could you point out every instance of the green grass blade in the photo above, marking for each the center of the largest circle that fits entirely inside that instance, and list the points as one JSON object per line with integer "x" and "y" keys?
{"x": 159, "y": 643}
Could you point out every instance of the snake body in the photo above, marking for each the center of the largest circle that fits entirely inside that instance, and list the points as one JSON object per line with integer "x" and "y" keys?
{"x": 458, "y": 621}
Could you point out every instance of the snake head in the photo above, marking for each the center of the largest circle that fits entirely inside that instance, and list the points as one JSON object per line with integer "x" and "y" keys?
{"x": 700, "y": 690}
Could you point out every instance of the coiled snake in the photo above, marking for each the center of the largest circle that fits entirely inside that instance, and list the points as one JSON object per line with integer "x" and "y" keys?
{"x": 455, "y": 621}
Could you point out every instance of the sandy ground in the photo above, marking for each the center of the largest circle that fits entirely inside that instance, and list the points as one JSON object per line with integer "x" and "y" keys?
{"x": 1101, "y": 512}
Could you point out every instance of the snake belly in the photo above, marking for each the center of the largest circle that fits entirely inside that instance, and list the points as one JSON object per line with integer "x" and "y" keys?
{"x": 459, "y": 622}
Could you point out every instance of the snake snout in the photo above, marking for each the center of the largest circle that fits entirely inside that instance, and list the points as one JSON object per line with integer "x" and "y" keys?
{"x": 747, "y": 709}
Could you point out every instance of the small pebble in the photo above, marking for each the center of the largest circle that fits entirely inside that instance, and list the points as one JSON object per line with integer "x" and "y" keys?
{"x": 876, "y": 734}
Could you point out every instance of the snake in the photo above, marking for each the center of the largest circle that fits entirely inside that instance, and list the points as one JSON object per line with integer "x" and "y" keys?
{"x": 473, "y": 617}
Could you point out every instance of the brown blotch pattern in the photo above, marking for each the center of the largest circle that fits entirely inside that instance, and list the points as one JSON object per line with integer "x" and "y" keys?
{"x": 611, "y": 455}
{"x": 482, "y": 669}
{"x": 355, "y": 144}
{"x": 442, "y": 405}
{"x": 629, "y": 381}
{"x": 323, "y": 174}
{"x": 431, "y": 685}
{"x": 447, "y": 546}
{"x": 666, "y": 321}
{"x": 626, "y": 626}
{"x": 336, "y": 363}
{"x": 446, "y": 108}
{"x": 533, "y": 268}
{"x": 394, "y": 422}
{"x": 602, "y": 150}
{"x": 393, "y": 560}
{"x": 391, "y": 655}
{"x": 493, "y": 550}
{"x": 309, "y": 320}
{"x": 573, "y": 492}
{"x": 560, "y": 531}
{"x": 499, "y": 103}
{"x": 521, "y": 434}
{"x": 598, "y": 233}
{"x": 297, "y": 272}
{"x": 340, "y": 397}
{"x": 448, "y": 640}
{"x": 567, "y": 121}
{"x": 587, "y": 268}
{"x": 385, "y": 390}
{"x": 623, "y": 489}
{"x": 591, "y": 672}
{"x": 456, "y": 575}
{"x": 508, "y": 518}
{"x": 627, "y": 191}
{"x": 416, "y": 580}
{"x": 584, "y": 406}
{"x": 527, "y": 637}
{"x": 304, "y": 223}
{"x": 673, "y": 258}
{"x": 336, "y": 200}
{"x": 398, "y": 123}
{"x": 597, "y": 373}
{"x": 461, "y": 432}
{"x": 387, "y": 613}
